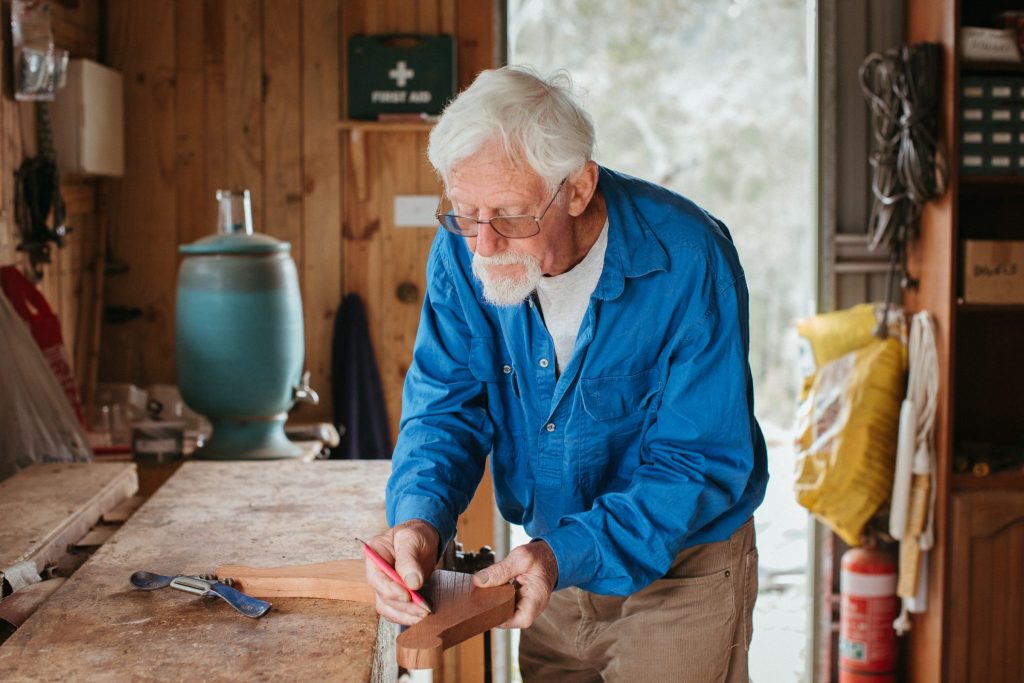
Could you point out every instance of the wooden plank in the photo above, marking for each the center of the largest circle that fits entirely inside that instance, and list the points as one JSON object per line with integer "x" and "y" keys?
{"x": 980, "y": 626}
{"x": 196, "y": 216}
{"x": 282, "y": 132}
{"x": 47, "y": 507}
{"x": 360, "y": 168}
{"x": 321, "y": 256}
{"x": 214, "y": 103}
{"x": 96, "y": 537}
{"x": 75, "y": 27}
{"x": 334, "y": 580}
{"x": 15, "y": 609}
{"x": 243, "y": 70}
{"x": 476, "y": 41}
{"x": 144, "y": 205}
{"x": 207, "y": 514}
{"x": 123, "y": 512}
{"x": 960, "y": 595}
{"x": 404, "y": 266}
{"x": 1013, "y": 659}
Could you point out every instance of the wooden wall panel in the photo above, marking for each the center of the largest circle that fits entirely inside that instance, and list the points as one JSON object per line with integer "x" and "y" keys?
{"x": 214, "y": 105}
{"x": 321, "y": 107}
{"x": 69, "y": 279}
{"x": 144, "y": 203}
{"x": 194, "y": 202}
{"x": 282, "y": 133}
{"x": 243, "y": 99}
{"x": 248, "y": 93}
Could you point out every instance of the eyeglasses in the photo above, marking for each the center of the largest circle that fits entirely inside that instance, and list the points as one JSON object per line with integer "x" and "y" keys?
{"x": 510, "y": 227}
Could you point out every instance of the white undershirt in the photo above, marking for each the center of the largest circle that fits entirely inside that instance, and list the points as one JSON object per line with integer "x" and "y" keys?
{"x": 564, "y": 299}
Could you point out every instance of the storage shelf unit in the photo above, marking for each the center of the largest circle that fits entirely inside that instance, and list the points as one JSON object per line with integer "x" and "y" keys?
{"x": 981, "y": 388}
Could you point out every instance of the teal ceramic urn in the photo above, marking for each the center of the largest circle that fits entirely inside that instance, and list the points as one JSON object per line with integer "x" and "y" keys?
{"x": 239, "y": 343}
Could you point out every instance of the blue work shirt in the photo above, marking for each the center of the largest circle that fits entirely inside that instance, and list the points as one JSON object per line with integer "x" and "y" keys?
{"x": 645, "y": 445}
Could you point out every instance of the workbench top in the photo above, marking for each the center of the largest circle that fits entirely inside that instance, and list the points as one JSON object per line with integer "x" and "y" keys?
{"x": 96, "y": 627}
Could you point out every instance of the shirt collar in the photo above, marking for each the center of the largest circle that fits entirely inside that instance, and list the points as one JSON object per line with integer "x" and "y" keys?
{"x": 633, "y": 249}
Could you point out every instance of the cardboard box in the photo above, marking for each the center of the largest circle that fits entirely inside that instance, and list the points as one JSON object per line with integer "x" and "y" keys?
{"x": 993, "y": 272}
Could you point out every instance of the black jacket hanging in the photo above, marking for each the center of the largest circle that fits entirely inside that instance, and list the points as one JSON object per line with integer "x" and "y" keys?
{"x": 356, "y": 391}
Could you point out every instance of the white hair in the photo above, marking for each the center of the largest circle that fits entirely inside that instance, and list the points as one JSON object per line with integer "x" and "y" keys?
{"x": 538, "y": 120}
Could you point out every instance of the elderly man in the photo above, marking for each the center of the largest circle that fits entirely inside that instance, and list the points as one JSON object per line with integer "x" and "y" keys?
{"x": 588, "y": 330}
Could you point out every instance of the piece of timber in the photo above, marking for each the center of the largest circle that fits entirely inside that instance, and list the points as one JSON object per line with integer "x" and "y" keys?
{"x": 46, "y": 507}
{"x": 461, "y": 610}
{"x": 16, "y": 608}
{"x": 337, "y": 580}
{"x": 97, "y": 628}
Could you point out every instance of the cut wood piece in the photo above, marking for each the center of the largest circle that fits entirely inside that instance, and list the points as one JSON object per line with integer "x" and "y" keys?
{"x": 22, "y": 604}
{"x": 461, "y": 611}
{"x": 96, "y": 537}
{"x": 337, "y": 580}
{"x": 121, "y": 513}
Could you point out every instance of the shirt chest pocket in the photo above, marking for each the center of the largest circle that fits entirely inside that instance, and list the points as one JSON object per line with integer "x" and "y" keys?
{"x": 608, "y": 438}
{"x": 487, "y": 364}
{"x": 612, "y": 398}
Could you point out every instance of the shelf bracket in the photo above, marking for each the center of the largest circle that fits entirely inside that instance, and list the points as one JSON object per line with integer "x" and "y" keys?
{"x": 357, "y": 157}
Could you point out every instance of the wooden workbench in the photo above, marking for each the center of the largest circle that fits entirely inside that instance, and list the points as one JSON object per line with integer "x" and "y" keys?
{"x": 210, "y": 513}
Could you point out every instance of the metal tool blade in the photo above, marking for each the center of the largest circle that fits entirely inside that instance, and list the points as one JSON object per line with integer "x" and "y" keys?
{"x": 148, "y": 581}
{"x": 248, "y": 606}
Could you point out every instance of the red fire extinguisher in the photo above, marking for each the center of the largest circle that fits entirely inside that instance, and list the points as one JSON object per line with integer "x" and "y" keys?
{"x": 867, "y": 640}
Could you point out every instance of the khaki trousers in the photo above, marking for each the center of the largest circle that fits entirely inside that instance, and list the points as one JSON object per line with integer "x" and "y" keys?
{"x": 692, "y": 626}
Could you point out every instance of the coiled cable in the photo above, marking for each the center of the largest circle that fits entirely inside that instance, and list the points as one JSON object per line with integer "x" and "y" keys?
{"x": 908, "y": 166}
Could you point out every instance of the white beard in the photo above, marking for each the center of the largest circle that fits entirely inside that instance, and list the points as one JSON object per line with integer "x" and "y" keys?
{"x": 507, "y": 291}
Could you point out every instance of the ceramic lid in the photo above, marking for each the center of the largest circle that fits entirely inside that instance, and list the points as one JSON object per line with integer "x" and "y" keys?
{"x": 237, "y": 243}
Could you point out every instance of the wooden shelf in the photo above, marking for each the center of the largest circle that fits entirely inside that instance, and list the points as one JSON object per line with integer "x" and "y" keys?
{"x": 966, "y": 307}
{"x": 386, "y": 126}
{"x": 989, "y": 67}
{"x": 357, "y": 129}
{"x": 991, "y": 184}
{"x": 1009, "y": 481}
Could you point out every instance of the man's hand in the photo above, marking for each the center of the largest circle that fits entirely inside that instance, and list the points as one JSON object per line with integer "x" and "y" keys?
{"x": 534, "y": 569}
{"x": 411, "y": 548}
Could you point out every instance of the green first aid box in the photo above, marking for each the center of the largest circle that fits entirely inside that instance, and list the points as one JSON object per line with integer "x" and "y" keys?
{"x": 399, "y": 74}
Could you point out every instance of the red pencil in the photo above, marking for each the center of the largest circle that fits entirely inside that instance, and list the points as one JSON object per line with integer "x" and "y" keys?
{"x": 393, "y": 575}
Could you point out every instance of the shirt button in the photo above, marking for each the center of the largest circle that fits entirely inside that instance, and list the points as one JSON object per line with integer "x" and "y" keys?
{"x": 550, "y": 426}
{"x": 543, "y": 362}
{"x": 507, "y": 369}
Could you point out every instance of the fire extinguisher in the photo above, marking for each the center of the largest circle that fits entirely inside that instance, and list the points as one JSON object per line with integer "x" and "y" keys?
{"x": 868, "y": 607}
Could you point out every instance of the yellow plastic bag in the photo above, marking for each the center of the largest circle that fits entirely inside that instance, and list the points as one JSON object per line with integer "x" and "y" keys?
{"x": 825, "y": 337}
{"x": 847, "y": 429}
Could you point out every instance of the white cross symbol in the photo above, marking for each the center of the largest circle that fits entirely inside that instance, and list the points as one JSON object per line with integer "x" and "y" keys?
{"x": 401, "y": 73}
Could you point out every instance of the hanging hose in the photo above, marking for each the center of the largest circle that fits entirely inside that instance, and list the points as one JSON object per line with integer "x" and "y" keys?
{"x": 908, "y": 167}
